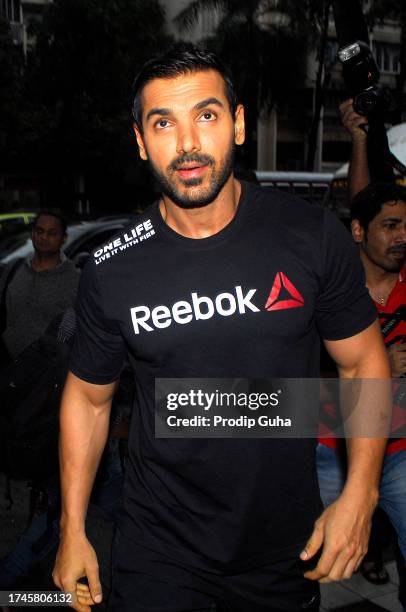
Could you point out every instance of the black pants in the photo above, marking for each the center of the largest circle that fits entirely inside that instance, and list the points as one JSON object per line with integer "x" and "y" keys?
{"x": 144, "y": 581}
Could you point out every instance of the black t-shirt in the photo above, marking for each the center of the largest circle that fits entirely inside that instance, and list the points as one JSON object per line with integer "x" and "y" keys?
{"x": 225, "y": 504}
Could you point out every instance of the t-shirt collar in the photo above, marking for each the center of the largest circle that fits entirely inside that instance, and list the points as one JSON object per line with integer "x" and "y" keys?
{"x": 30, "y": 257}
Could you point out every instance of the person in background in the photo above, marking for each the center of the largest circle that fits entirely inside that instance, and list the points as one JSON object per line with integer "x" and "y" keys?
{"x": 378, "y": 224}
{"x": 42, "y": 288}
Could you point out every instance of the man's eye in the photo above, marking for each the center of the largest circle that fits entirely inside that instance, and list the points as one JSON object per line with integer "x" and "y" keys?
{"x": 208, "y": 116}
{"x": 162, "y": 123}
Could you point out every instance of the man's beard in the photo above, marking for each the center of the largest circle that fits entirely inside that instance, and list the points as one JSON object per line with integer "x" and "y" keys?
{"x": 196, "y": 198}
{"x": 387, "y": 265}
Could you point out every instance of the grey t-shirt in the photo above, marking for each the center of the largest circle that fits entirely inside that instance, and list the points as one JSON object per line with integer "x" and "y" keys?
{"x": 35, "y": 299}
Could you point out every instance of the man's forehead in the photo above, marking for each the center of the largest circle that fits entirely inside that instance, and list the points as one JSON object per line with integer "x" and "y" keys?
{"x": 183, "y": 90}
{"x": 393, "y": 208}
{"x": 48, "y": 221}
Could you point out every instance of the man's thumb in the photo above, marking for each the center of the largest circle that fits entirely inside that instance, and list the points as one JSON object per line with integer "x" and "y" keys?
{"x": 94, "y": 585}
{"x": 314, "y": 543}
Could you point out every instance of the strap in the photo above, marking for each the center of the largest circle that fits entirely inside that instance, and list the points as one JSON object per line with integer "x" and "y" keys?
{"x": 3, "y": 308}
{"x": 395, "y": 163}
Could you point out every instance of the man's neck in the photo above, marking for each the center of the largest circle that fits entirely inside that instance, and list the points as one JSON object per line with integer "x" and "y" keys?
{"x": 207, "y": 220}
{"x": 45, "y": 262}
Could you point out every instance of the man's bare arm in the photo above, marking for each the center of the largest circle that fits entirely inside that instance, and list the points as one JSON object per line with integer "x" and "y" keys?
{"x": 358, "y": 174}
{"x": 343, "y": 528}
{"x": 84, "y": 424}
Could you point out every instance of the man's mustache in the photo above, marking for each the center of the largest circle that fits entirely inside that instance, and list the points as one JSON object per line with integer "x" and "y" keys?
{"x": 398, "y": 249}
{"x": 197, "y": 158}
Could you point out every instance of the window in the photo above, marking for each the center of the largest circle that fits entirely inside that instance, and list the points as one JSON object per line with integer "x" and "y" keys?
{"x": 387, "y": 56}
{"x": 10, "y": 9}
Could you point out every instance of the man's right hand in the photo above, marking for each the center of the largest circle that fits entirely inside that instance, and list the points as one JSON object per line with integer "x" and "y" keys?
{"x": 353, "y": 122}
{"x": 397, "y": 358}
{"x": 76, "y": 558}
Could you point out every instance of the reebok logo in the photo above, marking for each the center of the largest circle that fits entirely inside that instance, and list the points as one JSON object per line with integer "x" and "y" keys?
{"x": 198, "y": 308}
{"x": 202, "y": 307}
{"x": 281, "y": 283}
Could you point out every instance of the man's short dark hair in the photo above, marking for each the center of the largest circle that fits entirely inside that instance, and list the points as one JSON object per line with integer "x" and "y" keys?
{"x": 368, "y": 203}
{"x": 51, "y": 213}
{"x": 178, "y": 60}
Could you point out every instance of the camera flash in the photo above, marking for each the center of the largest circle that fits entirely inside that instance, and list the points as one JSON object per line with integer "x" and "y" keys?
{"x": 348, "y": 52}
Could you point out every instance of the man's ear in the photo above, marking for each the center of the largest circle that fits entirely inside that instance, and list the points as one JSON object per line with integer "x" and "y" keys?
{"x": 357, "y": 231}
{"x": 140, "y": 141}
{"x": 239, "y": 125}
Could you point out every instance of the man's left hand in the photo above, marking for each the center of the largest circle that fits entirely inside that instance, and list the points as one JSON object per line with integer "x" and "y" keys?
{"x": 343, "y": 530}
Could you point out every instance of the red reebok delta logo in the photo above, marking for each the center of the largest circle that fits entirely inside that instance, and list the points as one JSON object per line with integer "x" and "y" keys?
{"x": 281, "y": 280}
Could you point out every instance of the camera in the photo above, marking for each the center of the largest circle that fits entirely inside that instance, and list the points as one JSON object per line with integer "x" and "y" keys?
{"x": 361, "y": 76}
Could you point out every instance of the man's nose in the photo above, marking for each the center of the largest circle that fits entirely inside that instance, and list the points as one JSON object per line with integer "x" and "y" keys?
{"x": 188, "y": 139}
{"x": 401, "y": 234}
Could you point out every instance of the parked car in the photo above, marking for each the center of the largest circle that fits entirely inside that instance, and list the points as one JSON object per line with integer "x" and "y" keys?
{"x": 82, "y": 239}
{"x": 310, "y": 186}
{"x": 11, "y": 221}
{"x": 12, "y": 240}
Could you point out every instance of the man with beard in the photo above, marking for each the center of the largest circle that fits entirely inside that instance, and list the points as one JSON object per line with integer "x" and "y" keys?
{"x": 378, "y": 215}
{"x": 378, "y": 223}
{"x": 218, "y": 279}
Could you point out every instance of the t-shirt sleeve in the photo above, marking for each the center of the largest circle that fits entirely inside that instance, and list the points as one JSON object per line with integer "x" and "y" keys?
{"x": 344, "y": 307}
{"x": 98, "y": 352}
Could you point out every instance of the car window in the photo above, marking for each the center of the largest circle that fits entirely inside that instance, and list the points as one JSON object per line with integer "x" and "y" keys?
{"x": 82, "y": 237}
{"x": 91, "y": 242}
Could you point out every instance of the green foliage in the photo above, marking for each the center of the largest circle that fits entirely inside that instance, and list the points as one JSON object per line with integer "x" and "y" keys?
{"x": 263, "y": 50}
{"x": 75, "y": 115}
{"x": 87, "y": 54}
{"x": 265, "y": 42}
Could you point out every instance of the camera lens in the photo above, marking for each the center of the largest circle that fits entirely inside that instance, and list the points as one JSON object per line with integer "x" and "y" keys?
{"x": 366, "y": 102}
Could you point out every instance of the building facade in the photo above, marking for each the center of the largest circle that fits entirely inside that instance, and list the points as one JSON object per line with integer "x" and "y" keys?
{"x": 282, "y": 138}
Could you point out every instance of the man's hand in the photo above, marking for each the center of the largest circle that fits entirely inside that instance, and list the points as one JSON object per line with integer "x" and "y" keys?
{"x": 343, "y": 529}
{"x": 353, "y": 122}
{"x": 77, "y": 559}
{"x": 397, "y": 359}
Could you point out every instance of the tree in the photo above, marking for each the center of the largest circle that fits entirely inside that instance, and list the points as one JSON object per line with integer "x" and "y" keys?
{"x": 322, "y": 79}
{"x": 264, "y": 47}
{"x": 79, "y": 88}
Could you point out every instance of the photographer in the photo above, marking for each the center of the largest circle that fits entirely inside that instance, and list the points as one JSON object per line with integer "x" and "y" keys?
{"x": 378, "y": 224}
